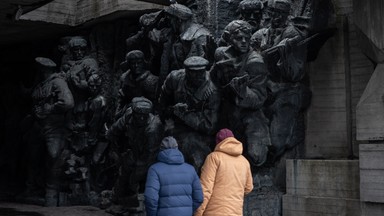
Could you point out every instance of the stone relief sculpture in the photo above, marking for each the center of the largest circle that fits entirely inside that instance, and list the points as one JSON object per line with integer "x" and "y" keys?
{"x": 51, "y": 101}
{"x": 142, "y": 132}
{"x": 135, "y": 82}
{"x": 189, "y": 103}
{"x": 251, "y": 84}
{"x": 241, "y": 74}
{"x": 285, "y": 57}
{"x": 252, "y": 12}
{"x": 187, "y": 39}
{"x": 79, "y": 68}
{"x": 150, "y": 38}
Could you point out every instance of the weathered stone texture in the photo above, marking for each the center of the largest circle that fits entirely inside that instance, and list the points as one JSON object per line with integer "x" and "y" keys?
{"x": 326, "y": 117}
{"x": 76, "y": 12}
{"x": 319, "y": 206}
{"x": 369, "y": 110}
{"x": 372, "y": 209}
{"x": 368, "y": 16}
{"x": 323, "y": 178}
{"x": 322, "y": 188}
{"x": 372, "y": 172}
{"x": 361, "y": 70}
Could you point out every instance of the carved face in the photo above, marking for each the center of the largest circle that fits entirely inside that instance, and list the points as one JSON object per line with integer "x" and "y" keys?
{"x": 78, "y": 52}
{"x": 140, "y": 119}
{"x": 252, "y": 16}
{"x": 136, "y": 65}
{"x": 278, "y": 18}
{"x": 240, "y": 41}
{"x": 94, "y": 85}
{"x": 195, "y": 77}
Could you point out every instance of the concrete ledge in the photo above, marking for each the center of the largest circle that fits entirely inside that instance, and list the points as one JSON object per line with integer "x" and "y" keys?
{"x": 76, "y": 12}
{"x": 323, "y": 178}
{"x": 372, "y": 172}
{"x": 320, "y": 206}
{"x": 372, "y": 209}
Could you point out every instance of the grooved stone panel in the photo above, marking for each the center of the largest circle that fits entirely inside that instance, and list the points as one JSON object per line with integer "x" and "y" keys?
{"x": 319, "y": 206}
{"x": 326, "y": 131}
{"x": 372, "y": 172}
{"x": 372, "y": 209}
{"x": 368, "y": 15}
{"x": 370, "y": 109}
{"x": 323, "y": 178}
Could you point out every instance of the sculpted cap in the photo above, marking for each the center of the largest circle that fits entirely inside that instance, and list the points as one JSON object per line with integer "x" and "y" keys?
{"x": 74, "y": 42}
{"x": 45, "y": 62}
{"x": 134, "y": 54}
{"x": 180, "y": 11}
{"x": 196, "y": 63}
{"x": 282, "y": 5}
{"x": 141, "y": 105}
{"x": 250, "y": 5}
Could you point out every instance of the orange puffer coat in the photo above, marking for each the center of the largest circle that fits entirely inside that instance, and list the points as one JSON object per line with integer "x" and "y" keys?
{"x": 225, "y": 177}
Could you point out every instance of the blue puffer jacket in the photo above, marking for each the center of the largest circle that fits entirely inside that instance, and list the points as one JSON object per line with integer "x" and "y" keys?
{"x": 172, "y": 187}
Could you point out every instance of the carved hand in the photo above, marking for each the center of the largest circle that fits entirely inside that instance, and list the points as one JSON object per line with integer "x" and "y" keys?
{"x": 179, "y": 109}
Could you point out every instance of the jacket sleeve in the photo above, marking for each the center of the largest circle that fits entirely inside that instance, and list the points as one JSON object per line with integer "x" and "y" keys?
{"x": 197, "y": 195}
{"x": 64, "y": 96}
{"x": 249, "y": 183}
{"x": 208, "y": 176}
{"x": 151, "y": 193}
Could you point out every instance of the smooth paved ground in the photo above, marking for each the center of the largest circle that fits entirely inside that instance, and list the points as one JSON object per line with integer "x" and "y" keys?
{"x": 16, "y": 209}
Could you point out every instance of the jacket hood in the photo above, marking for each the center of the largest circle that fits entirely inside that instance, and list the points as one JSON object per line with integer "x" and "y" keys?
{"x": 230, "y": 146}
{"x": 170, "y": 156}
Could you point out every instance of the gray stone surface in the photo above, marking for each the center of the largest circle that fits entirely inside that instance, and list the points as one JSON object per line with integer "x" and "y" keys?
{"x": 368, "y": 16}
{"x": 326, "y": 126}
{"x": 319, "y": 206}
{"x": 12, "y": 209}
{"x": 369, "y": 110}
{"x": 372, "y": 209}
{"x": 75, "y": 12}
{"x": 323, "y": 178}
{"x": 372, "y": 173}
{"x": 322, "y": 188}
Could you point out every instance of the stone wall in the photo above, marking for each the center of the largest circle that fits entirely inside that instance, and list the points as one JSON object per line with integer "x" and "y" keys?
{"x": 322, "y": 187}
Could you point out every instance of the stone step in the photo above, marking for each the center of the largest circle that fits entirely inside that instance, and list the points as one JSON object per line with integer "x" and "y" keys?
{"x": 320, "y": 206}
{"x": 323, "y": 178}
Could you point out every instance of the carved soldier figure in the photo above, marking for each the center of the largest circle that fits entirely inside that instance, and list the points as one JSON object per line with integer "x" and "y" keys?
{"x": 142, "y": 133}
{"x": 285, "y": 56}
{"x": 79, "y": 69}
{"x": 252, "y": 12}
{"x": 190, "y": 99}
{"x": 150, "y": 38}
{"x": 52, "y": 99}
{"x": 187, "y": 39}
{"x": 242, "y": 76}
{"x": 136, "y": 82}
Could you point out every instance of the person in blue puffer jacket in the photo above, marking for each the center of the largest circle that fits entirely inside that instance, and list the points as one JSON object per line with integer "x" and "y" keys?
{"x": 173, "y": 186}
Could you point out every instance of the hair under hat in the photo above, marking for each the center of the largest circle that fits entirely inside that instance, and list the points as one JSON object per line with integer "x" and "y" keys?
{"x": 223, "y": 134}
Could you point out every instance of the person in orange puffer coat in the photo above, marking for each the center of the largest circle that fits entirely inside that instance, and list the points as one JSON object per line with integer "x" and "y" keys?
{"x": 225, "y": 177}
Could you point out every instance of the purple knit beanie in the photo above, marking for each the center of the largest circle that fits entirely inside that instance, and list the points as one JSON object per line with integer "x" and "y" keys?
{"x": 222, "y": 134}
